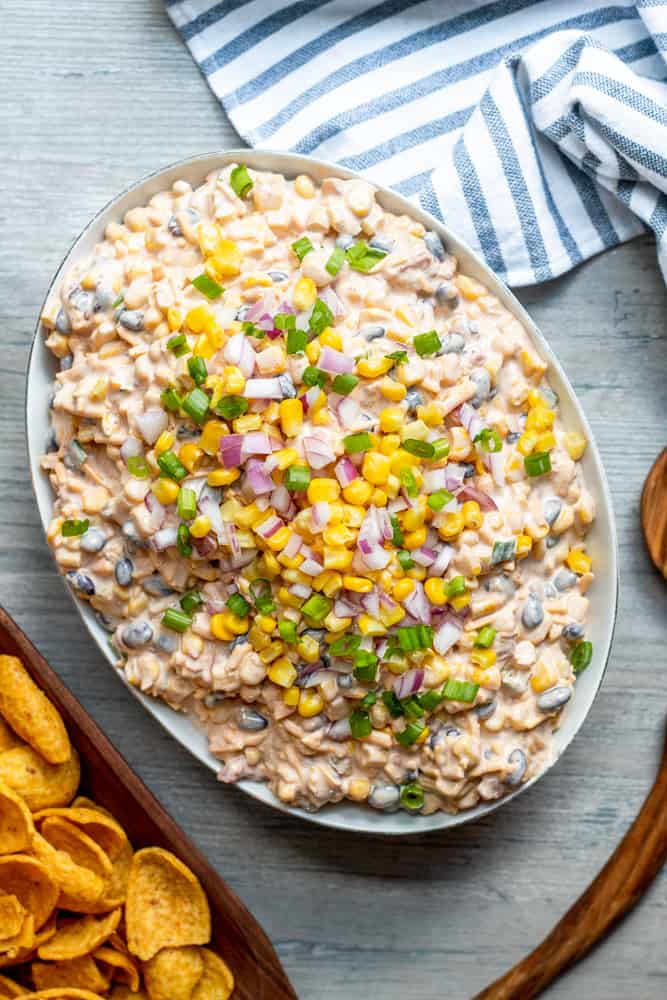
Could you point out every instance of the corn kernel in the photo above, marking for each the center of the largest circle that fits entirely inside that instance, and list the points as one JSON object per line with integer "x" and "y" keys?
{"x": 291, "y": 600}
{"x": 329, "y": 582}
{"x": 544, "y": 677}
{"x": 247, "y": 423}
{"x": 233, "y": 380}
{"x": 190, "y": 455}
{"x": 423, "y": 736}
{"x": 198, "y": 319}
{"x": 308, "y": 649}
{"x": 527, "y": 442}
{"x": 417, "y": 573}
{"x": 374, "y": 367}
{"x": 280, "y": 539}
{"x": 304, "y": 295}
{"x": 329, "y": 338}
{"x": 531, "y": 363}
{"x": 291, "y": 416}
{"x": 401, "y": 460}
{"x": 578, "y": 561}
{"x": 203, "y": 347}
{"x": 226, "y": 260}
{"x": 164, "y": 442}
{"x": 414, "y": 517}
{"x": 575, "y": 444}
{"x": 222, "y": 477}
{"x": 285, "y": 457}
{"x": 219, "y": 628}
{"x": 460, "y": 601}
{"x": 211, "y": 434}
{"x": 266, "y": 623}
{"x": 540, "y": 418}
{"x": 174, "y": 318}
{"x": 472, "y": 515}
{"x": 336, "y": 557}
{"x": 338, "y": 534}
{"x": 392, "y": 419}
{"x": 200, "y": 526}
{"x": 524, "y": 544}
{"x": 332, "y": 623}
{"x": 375, "y": 468}
{"x": 403, "y": 589}
{"x": 370, "y": 626}
{"x": 304, "y": 186}
{"x": 326, "y": 490}
{"x": 452, "y": 525}
{"x": 483, "y": 658}
{"x": 430, "y": 414}
{"x": 291, "y": 696}
{"x": 415, "y": 539}
{"x": 283, "y": 673}
{"x": 546, "y": 441}
{"x": 358, "y": 789}
{"x": 469, "y": 288}
{"x": 272, "y": 651}
{"x": 358, "y": 492}
{"x": 165, "y": 490}
{"x": 435, "y": 590}
{"x": 379, "y": 498}
{"x": 310, "y": 703}
{"x": 208, "y": 236}
{"x": 392, "y": 390}
{"x": 313, "y": 351}
{"x": 391, "y": 616}
{"x": 358, "y": 584}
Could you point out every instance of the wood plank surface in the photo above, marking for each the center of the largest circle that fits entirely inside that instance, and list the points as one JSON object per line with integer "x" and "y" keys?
{"x": 94, "y": 95}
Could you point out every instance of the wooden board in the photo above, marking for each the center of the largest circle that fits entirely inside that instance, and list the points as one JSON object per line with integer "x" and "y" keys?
{"x": 96, "y": 94}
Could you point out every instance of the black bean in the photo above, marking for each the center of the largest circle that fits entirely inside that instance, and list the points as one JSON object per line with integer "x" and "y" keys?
{"x": 344, "y": 241}
{"x": 468, "y": 470}
{"x": 486, "y": 710}
{"x": 156, "y": 586}
{"x": 372, "y": 331}
{"x": 452, "y": 343}
{"x": 81, "y": 582}
{"x": 131, "y": 319}
{"x": 51, "y": 442}
{"x": 379, "y": 244}
{"x": 93, "y": 540}
{"x": 174, "y": 226}
{"x": 75, "y": 455}
{"x": 66, "y": 363}
{"x": 252, "y": 721}
{"x": 564, "y": 579}
{"x": 573, "y": 631}
{"x": 515, "y": 682}
{"x": 63, "y": 324}
{"x": 447, "y": 294}
{"x": 552, "y": 508}
{"x": 277, "y": 276}
{"x": 384, "y": 797}
{"x": 186, "y": 431}
{"x": 123, "y": 571}
{"x": 482, "y": 382}
{"x": 104, "y": 299}
{"x": 287, "y": 386}
{"x": 414, "y": 398}
{"x": 345, "y": 681}
{"x": 512, "y": 437}
{"x": 550, "y": 592}
{"x": 138, "y": 634}
{"x": 167, "y": 643}
{"x": 533, "y": 613}
{"x": 518, "y": 762}
{"x": 554, "y": 699}
{"x": 84, "y": 302}
{"x": 434, "y": 244}
{"x": 107, "y": 623}
{"x": 238, "y": 641}
{"x": 242, "y": 313}
{"x": 552, "y": 541}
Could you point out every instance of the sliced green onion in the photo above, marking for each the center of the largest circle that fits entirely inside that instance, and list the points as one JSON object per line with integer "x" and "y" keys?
{"x": 412, "y": 706}
{"x": 171, "y": 400}
{"x": 238, "y": 605}
{"x": 398, "y": 357}
{"x": 260, "y": 588}
{"x": 297, "y": 341}
{"x": 538, "y": 463}
{"x": 284, "y": 321}
{"x": 336, "y": 261}
{"x": 138, "y": 467}
{"x": 489, "y": 439}
{"x": 412, "y": 637}
{"x": 287, "y": 630}
{"x": 178, "y": 344}
{"x": 355, "y": 443}
{"x": 360, "y": 724}
{"x": 317, "y": 607}
{"x": 241, "y": 180}
{"x": 190, "y": 602}
{"x": 503, "y": 550}
{"x": 409, "y": 482}
{"x": 250, "y": 330}
{"x": 346, "y": 645}
{"x": 186, "y": 504}
{"x": 392, "y": 704}
{"x": 171, "y": 465}
{"x": 368, "y": 700}
{"x": 485, "y": 637}
{"x": 207, "y": 286}
{"x": 411, "y": 733}
{"x": 464, "y": 691}
{"x": 424, "y": 636}
{"x": 198, "y": 370}
{"x": 320, "y": 318}
{"x": 314, "y": 376}
{"x": 455, "y": 586}
{"x": 265, "y": 605}
{"x": 176, "y": 620}
{"x": 183, "y": 540}
{"x": 117, "y": 301}
{"x": 430, "y": 700}
{"x": 396, "y": 531}
{"x": 365, "y": 665}
{"x": 71, "y": 528}
{"x": 420, "y": 448}
{"x": 297, "y": 477}
{"x": 302, "y": 246}
{"x": 405, "y": 559}
{"x": 427, "y": 343}
{"x": 196, "y": 405}
{"x": 364, "y": 258}
{"x": 581, "y": 656}
{"x": 439, "y": 499}
{"x": 412, "y": 796}
{"x": 440, "y": 449}
{"x": 344, "y": 384}
{"x": 231, "y": 407}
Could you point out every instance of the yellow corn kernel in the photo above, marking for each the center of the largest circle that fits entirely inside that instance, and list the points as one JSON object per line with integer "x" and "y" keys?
{"x": 290, "y": 562}
{"x": 248, "y": 422}
{"x": 222, "y": 477}
{"x": 472, "y": 515}
{"x": 326, "y": 490}
{"x": 389, "y": 445}
{"x": 200, "y": 526}
{"x": 417, "y": 573}
{"x": 460, "y": 601}
{"x": 544, "y": 677}
{"x": 271, "y": 414}
{"x": 304, "y": 295}
{"x": 379, "y": 498}
{"x": 540, "y": 418}
{"x": 392, "y": 390}
{"x": 329, "y": 582}
{"x": 199, "y": 318}
{"x": 164, "y": 442}
{"x": 578, "y": 561}
{"x": 358, "y": 584}
{"x": 452, "y": 525}
{"x": 318, "y": 404}
{"x": 414, "y": 517}
{"x": 266, "y": 623}
{"x": 174, "y": 318}
{"x": 374, "y": 367}
{"x": 338, "y": 534}
{"x": 531, "y": 363}
{"x": 282, "y": 672}
{"x": 358, "y": 789}
{"x": 233, "y": 379}
{"x": 483, "y": 658}
{"x": 546, "y": 441}
{"x": 258, "y": 639}
{"x": 392, "y": 486}
{"x": 290, "y": 600}
{"x": 291, "y": 696}
{"x": 336, "y": 557}
{"x": 310, "y": 703}
{"x": 239, "y": 626}
{"x": 313, "y": 351}
{"x": 329, "y": 338}
{"x": 430, "y": 414}
{"x": 208, "y": 236}
{"x": 272, "y": 651}
{"x": 285, "y": 457}
{"x": 375, "y": 468}
{"x": 435, "y": 590}
{"x": 469, "y": 288}
{"x": 391, "y": 616}
{"x": 203, "y": 347}
{"x": 575, "y": 444}
{"x": 280, "y": 539}
{"x": 358, "y": 492}
{"x": 190, "y": 455}
{"x": 166, "y": 490}
{"x": 351, "y": 514}
{"x": 304, "y": 186}
{"x": 219, "y": 629}
{"x": 392, "y": 419}
{"x": 334, "y": 624}
{"x": 254, "y": 280}
{"x": 527, "y": 442}
{"x": 321, "y": 418}
{"x": 291, "y": 416}
{"x": 423, "y": 736}
{"x": 308, "y": 649}
{"x": 226, "y": 260}
{"x": 211, "y": 434}
{"x": 524, "y": 544}
{"x": 415, "y": 539}
{"x": 403, "y": 589}
{"x": 403, "y": 460}
{"x": 370, "y": 626}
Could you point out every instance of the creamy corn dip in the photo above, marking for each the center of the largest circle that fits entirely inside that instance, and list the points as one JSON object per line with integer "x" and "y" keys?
{"x": 317, "y": 489}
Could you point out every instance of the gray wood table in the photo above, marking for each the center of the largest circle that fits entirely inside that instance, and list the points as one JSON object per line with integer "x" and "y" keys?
{"x": 94, "y": 95}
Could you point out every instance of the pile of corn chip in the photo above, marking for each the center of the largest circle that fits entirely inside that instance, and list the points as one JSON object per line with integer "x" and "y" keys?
{"x": 82, "y": 915}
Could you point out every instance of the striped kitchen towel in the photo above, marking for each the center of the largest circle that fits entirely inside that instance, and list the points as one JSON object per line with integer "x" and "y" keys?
{"x": 537, "y": 130}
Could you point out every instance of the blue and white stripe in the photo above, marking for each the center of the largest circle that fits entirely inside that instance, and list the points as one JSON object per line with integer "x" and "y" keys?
{"x": 537, "y": 129}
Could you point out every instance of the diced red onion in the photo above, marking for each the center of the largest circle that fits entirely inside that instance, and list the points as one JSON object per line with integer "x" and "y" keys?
{"x": 385, "y": 525}
{"x": 293, "y": 545}
{"x": 377, "y": 558}
{"x": 330, "y": 299}
{"x": 165, "y": 538}
{"x": 349, "y": 411}
{"x": 280, "y": 498}
{"x": 255, "y": 443}
{"x": 371, "y": 603}
{"x": 230, "y": 531}
{"x": 318, "y": 452}
{"x": 320, "y": 514}
{"x": 263, "y": 503}
{"x": 446, "y": 637}
{"x": 151, "y": 424}
{"x": 211, "y": 510}
{"x": 156, "y": 510}
{"x": 442, "y": 561}
{"x": 396, "y": 505}
{"x": 263, "y": 388}
{"x": 308, "y": 680}
{"x": 340, "y": 730}
{"x": 258, "y": 479}
{"x": 301, "y": 590}
{"x": 408, "y": 683}
{"x": 434, "y": 479}
{"x": 269, "y": 527}
{"x": 345, "y": 471}
{"x": 496, "y": 461}
{"x": 483, "y": 499}
{"x": 424, "y": 556}
{"x": 233, "y": 349}
{"x": 331, "y": 360}
{"x": 205, "y": 546}
{"x": 388, "y": 601}
{"x": 344, "y": 608}
{"x": 311, "y": 567}
{"x": 130, "y": 448}
{"x": 256, "y": 310}
{"x": 471, "y": 420}
{"x": 417, "y": 605}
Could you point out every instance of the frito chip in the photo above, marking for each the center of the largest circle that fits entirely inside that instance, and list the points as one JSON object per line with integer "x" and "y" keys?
{"x": 80, "y": 888}
{"x": 8, "y": 988}
{"x": 79, "y": 937}
{"x": 173, "y": 973}
{"x": 165, "y": 906}
{"x": 115, "y": 889}
{"x": 31, "y": 882}
{"x": 81, "y": 973}
{"x": 12, "y": 947}
{"x": 12, "y": 915}
{"x": 81, "y": 848}
{"x": 46, "y": 932}
{"x": 119, "y": 962}
{"x": 217, "y": 982}
{"x": 41, "y": 784}
{"x": 63, "y": 993}
{"x": 83, "y": 802}
{"x": 122, "y": 992}
{"x": 30, "y": 713}
{"x": 98, "y": 825}
{"x": 8, "y": 737}
{"x": 16, "y": 826}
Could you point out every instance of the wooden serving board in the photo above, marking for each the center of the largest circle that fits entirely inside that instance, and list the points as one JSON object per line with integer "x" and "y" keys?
{"x": 107, "y": 778}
